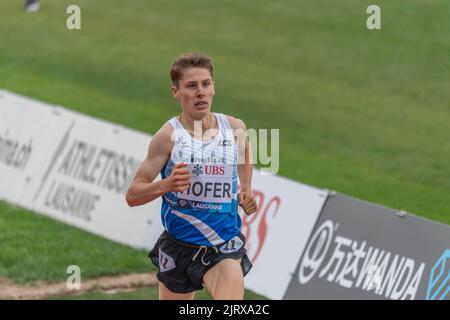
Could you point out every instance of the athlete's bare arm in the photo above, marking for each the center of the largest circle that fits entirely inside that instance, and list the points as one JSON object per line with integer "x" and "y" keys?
{"x": 144, "y": 189}
{"x": 245, "y": 165}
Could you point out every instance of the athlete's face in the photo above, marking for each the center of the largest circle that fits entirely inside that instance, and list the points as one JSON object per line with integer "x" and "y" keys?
{"x": 195, "y": 92}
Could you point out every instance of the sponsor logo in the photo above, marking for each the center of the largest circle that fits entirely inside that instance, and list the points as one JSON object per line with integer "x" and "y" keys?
{"x": 181, "y": 140}
{"x": 208, "y": 159}
{"x": 209, "y": 170}
{"x": 183, "y": 203}
{"x": 224, "y": 143}
{"x": 197, "y": 170}
{"x": 439, "y": 281}
{"x": 14, "y": 153}
{"x": 215, "y": 170}
{"x": 255, "y": 227}
{"x": 349, "y": 264}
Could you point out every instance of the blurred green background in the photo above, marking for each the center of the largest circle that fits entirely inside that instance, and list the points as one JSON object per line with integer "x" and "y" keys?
{"x": 365, "y": 113}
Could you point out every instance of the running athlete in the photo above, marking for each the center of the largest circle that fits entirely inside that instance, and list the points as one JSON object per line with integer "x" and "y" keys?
{"x": 200, "y": 158}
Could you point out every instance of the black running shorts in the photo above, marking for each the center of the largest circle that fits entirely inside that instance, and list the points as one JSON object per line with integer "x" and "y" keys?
{"x": 181, "y": 266}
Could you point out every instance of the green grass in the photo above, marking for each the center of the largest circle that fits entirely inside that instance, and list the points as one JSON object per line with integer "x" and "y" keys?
{"x": 35, "y": 248}
{"x": 142, "y": 294}
{"x": 361, "y": 112}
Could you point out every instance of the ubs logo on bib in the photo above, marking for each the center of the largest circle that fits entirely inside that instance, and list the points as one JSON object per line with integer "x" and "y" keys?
{"x": 214, "y": 170}
{"x": 208, "y": 170}
{"x": 197, "y": 170}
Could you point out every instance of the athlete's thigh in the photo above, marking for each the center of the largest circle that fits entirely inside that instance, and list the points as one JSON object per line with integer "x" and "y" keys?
{"x": 166, "y": 294}
{"x": 225, "y": 280}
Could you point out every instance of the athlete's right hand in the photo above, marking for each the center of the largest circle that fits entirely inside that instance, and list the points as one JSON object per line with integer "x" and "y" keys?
{"x": 179, "y": 179}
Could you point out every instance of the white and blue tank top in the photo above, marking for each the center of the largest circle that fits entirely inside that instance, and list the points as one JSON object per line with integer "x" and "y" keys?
{"x": 207, "y": 212}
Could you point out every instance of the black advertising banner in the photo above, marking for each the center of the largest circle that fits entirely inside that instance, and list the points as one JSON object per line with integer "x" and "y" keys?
{"x": 360, "y": 250}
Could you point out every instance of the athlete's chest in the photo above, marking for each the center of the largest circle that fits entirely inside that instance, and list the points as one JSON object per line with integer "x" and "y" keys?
{"x": 219, "y": 151}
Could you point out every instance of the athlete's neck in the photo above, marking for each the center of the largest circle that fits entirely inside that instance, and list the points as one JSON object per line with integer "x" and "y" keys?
{"x": 197, "y": 127}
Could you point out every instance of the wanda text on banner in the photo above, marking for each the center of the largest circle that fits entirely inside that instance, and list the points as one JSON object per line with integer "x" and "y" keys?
{"x": 360, "y": 250}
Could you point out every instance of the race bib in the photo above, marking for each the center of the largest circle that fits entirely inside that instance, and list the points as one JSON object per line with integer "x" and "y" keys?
{"x": 210, "y": 188}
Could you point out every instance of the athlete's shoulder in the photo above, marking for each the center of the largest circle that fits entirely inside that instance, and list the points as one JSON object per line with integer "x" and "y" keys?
{"x": 165, "y": 132}
{"x": 235, "y": 123}
{"x": 162, "y": 141}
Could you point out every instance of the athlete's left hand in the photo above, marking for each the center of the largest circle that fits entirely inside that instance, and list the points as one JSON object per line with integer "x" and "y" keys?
{"x": 247, "y": 202}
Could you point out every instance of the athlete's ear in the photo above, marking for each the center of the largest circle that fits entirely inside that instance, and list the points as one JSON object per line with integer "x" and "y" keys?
{"x": 175, "y": 91}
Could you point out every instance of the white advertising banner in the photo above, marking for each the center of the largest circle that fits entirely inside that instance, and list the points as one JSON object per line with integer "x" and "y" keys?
{"x": 79, "y": 171}
{"x": 29, "y": 133}
{"x": 278, "y": 233}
